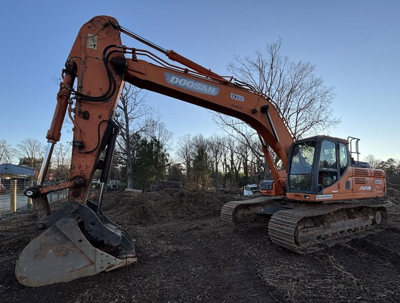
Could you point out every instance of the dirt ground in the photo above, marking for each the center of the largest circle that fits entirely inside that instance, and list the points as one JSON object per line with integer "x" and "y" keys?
{"x": 186, "y": 254}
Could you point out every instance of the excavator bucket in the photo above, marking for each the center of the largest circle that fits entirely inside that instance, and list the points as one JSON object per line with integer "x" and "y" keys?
{"x": 63, "y": 253}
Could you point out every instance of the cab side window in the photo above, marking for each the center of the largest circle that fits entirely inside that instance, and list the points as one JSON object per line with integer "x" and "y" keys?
{"x": 343, "y": 158}
{"x": 327, "y": 158}
{"x": 328, "y": 173}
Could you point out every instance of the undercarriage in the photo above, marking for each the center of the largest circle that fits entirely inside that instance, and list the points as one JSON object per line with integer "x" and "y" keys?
{"x": 306, "y": 228}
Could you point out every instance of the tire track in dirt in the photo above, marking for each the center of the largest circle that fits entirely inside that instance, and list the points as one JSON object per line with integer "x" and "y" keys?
{"x": 374, "y": 262}
{"x": 186, "y": 261}
{"x": 204, "y": 259}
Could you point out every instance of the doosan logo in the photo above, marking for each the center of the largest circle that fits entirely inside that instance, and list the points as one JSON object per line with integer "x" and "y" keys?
{"x": 192, "y": 85}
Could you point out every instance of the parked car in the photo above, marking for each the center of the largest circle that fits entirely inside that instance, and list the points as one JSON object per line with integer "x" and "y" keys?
{"x": 113, "y": 184}
{"x": 250, "y": 189}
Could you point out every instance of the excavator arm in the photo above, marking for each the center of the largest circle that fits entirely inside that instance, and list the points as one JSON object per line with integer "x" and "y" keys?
{"x": 78, "y": 239}
{"x": 90, "y": 104}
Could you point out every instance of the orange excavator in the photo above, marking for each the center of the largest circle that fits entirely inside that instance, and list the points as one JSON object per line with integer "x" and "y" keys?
{"x": 317, "y": 200}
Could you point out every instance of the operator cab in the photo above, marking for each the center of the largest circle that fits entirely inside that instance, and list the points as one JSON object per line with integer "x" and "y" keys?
{"x": 316, "y": 163}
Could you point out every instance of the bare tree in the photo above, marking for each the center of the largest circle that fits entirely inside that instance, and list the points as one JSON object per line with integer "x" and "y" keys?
{"x": 296, "y": 91}
{"x": 133, "y": 118}
{"x": 30, "y": 151}
{"x": 234, "y": 163}
{"x": 61, "y": 154}
{"x": 242, "y": 133}
{"x": 5, "y": 152}
{"x": 61, "y": 160}
{"x": 185, "y": 154}
{"x": 301, "y": 97}
{"x": 215, "y": 146}
{"x": 373, "y": 162}
{"x": 215, "y": 152}
{"x": 219, "y": 161}
{"x": 158, "y": 131}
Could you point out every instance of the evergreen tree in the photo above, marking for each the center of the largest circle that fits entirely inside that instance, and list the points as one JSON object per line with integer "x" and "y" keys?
{"x": 202, "y": 164}
{"x": 150, "y": 162}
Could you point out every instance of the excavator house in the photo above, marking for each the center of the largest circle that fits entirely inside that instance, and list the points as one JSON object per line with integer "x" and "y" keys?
{"x": 323, "y": 196}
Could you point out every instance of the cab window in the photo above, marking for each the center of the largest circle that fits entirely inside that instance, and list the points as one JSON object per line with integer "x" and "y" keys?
{"x": 327, "y": 164}
{"x": 300, "y": 177}
{"x": 343, "y": 158}
{"x": 327, "y": 158}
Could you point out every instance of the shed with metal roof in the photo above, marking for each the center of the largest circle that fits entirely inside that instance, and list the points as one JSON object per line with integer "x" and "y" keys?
{"x": 16, "y": 171}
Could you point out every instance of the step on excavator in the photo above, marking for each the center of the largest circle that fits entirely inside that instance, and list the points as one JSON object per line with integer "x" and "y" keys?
{"x": 318, "y": 199}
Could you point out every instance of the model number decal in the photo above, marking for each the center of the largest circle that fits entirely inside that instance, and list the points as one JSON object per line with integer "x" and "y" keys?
{"x": 320, "y": 197}
{"x": 237, "y": 97}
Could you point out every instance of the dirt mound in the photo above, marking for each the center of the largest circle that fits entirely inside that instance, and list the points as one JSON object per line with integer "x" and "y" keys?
{"x": 393, "y": 193}
{"x": 164, "y": 206}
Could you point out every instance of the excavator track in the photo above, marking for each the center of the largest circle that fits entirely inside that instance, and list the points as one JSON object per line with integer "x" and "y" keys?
{"x": 244, "y": 212}
{"x": 307, "y": 229}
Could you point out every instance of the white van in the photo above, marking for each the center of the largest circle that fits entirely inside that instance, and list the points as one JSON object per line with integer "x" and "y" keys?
{"x": 250, "y": 189}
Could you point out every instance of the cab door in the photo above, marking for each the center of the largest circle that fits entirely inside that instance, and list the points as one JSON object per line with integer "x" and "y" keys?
{"x": 333, "y": 162}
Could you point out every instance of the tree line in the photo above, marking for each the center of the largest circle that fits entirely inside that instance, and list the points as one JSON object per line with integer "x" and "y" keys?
{"x": 216, "y": 162}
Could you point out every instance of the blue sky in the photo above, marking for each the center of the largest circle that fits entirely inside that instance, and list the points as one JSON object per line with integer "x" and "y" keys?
{"x": 355, "y": 46}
